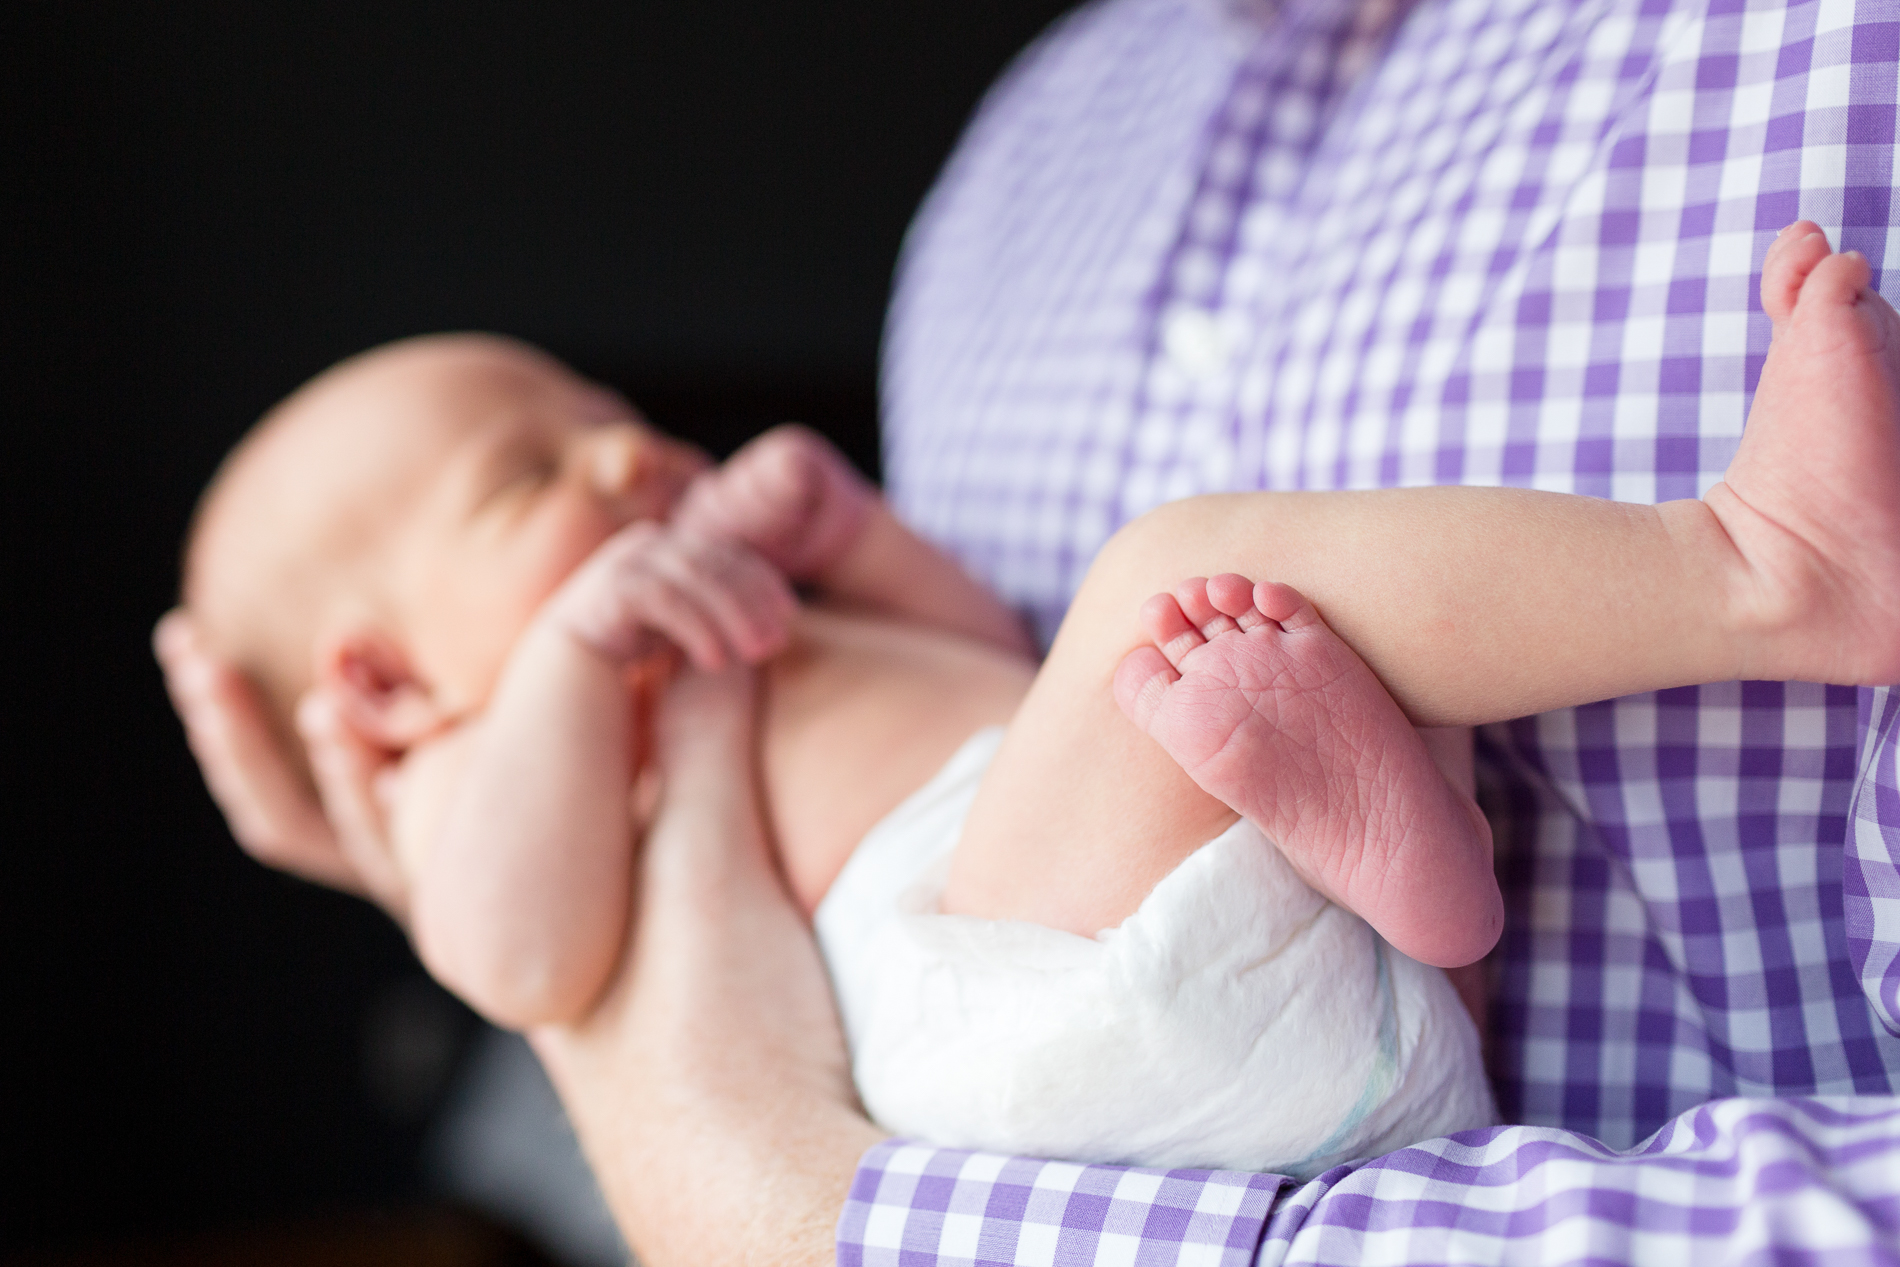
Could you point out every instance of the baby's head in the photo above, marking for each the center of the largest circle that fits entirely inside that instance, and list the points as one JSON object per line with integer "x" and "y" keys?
{"x": 390, "y": 529}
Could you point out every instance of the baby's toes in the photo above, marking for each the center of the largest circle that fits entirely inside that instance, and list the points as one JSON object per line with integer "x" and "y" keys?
{"x": 1173, "y": 634}
{"x": 1793, "y": 256}
{"x": 1251, "y": 619}
{"x": 1198, "y": 606}
{"x": 1285, "y": 605}
{"x": 1837, "y": 312}
{"x": 1836, "y": 280}
{"x": 1141, "y": 684}
{"x": 1231, "y": 594}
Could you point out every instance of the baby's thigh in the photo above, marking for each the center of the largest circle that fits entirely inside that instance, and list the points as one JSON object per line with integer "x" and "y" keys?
{"x": 1077, "y": 819}
{"x": 1080, "y": 814}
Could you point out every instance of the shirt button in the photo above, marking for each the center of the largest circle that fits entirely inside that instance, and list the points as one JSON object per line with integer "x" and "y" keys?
{"x": 1200, "y": 344}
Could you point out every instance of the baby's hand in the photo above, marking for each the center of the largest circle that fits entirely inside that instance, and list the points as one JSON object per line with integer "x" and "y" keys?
{"x": 650, "y": 584}
{"x": 789, "y": 495}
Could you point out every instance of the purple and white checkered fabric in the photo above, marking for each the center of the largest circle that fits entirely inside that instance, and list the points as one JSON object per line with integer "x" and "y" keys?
{"x": 1809, "y": 1180}
{"x": 968, "y": 1208}
{"x": 1196, "y": 245}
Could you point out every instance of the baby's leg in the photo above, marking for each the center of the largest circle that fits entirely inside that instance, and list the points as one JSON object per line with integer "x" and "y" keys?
{"x": 1231, "y": 693}
{"x": 1812, "y": 498}
{"x": 1080, "y": 815}
{"x": 1270, "y": 713}
{"x": 1474, "y": 605}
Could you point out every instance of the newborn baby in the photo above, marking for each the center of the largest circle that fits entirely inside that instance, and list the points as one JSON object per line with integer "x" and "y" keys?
{"x": 1078, "y": 938}
{"x": 479, "y": 556}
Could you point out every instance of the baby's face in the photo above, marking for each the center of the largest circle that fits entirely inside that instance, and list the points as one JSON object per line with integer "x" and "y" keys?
{"x": 520, "y": 469}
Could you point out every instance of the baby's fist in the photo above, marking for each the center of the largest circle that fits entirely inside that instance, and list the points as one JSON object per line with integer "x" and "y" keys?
{"x": 714, "y": 599}
{"x": 789, "y": 495}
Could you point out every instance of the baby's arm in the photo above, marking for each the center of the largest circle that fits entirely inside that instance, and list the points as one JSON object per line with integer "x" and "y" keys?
{"x": 795, "y": 499}
{"x": 517, "y": 829}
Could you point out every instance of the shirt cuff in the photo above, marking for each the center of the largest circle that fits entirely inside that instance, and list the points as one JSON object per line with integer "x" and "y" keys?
{"x": 921, "y": 1206}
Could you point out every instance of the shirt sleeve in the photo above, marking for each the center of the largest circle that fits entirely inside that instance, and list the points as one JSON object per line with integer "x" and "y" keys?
{"x": 920, "y": 1206}
{"x": 1813, "y": 1180}
{"x": 1734, "y": 1180}
{"x": 1870, "y": 876}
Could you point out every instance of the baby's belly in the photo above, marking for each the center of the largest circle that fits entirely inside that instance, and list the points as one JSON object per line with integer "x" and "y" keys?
{"x": 858, "y": 714}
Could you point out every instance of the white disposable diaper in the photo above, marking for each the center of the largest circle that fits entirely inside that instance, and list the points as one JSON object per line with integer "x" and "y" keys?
{"x": 1237, "y": 1020}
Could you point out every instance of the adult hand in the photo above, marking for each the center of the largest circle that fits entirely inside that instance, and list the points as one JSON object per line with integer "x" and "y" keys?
{"x": 710, "y": 1086}
{"x": 335, "y": 835}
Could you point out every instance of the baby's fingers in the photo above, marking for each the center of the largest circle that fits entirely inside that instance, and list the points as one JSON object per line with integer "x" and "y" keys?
{"x": 707, "y": 507}
{"x": 716, "y": 600}
{"x": 627, "y": 595}
{"x": 268, "y": 808}
{"x": 745, "y": 598}
{"x": 671, "y": 607}
{"x": 347, "y": 770}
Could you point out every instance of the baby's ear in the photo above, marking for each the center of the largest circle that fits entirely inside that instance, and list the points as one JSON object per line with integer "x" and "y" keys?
{"x": 377, "y": 688}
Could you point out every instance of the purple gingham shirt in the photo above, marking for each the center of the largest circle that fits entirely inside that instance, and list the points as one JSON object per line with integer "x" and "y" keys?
{"x": 1194, "y": 245}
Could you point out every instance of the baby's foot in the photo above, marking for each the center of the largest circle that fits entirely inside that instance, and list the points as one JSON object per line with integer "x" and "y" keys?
{"x": 1812, "y": 499}
{"x": 1267, "y": 710}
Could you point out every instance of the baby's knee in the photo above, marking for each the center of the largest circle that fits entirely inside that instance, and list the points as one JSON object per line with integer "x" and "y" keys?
{"x": 1145, "y": 555}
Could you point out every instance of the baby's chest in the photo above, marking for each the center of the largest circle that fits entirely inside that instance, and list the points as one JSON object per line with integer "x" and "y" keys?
{"x": 857, "y": 716}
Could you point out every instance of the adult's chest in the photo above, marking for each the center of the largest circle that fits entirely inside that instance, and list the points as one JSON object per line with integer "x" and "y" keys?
{"x": 1162, "y": 266}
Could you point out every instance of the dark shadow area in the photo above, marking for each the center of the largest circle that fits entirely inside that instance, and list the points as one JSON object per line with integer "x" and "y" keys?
{"x": 203, "y": 205}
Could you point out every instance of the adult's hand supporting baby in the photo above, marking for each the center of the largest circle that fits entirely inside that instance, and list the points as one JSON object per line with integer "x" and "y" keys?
{"x": 710, "y": 1086}
{"x": 350, "y": 771}
{"x": 269, "y": 810}
{"x": 336, "y": 838}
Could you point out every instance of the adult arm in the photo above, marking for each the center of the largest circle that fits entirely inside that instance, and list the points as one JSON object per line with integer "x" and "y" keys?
{"x": 1734, "y": 1180}
{"x": 1870, "y": 876}
{"x": 709, "y": 1086}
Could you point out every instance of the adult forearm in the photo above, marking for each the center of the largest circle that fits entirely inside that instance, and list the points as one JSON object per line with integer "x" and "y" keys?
{"x": 699, "y": 1191}
{"x": 711, "y": 1088}
{"x": 696, "y": 1179}
{"x": 716, "y": 1137}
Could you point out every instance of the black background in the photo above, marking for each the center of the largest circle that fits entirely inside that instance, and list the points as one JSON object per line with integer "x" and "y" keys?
{"x": 203, "y": 205}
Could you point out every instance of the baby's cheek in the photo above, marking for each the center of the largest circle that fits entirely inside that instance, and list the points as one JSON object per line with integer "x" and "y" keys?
{"x": 565, "y": 547}
{"x": 548, "y": 558}
{"x": 498, "y": 596}
{"x": 473, "y": 644}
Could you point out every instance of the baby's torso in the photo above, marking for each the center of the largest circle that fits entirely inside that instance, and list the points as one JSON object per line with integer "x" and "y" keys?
{"x": 857, "y": 714}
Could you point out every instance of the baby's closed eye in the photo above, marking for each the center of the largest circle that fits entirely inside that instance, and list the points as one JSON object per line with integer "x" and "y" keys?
{"x": 512, "y": 474}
